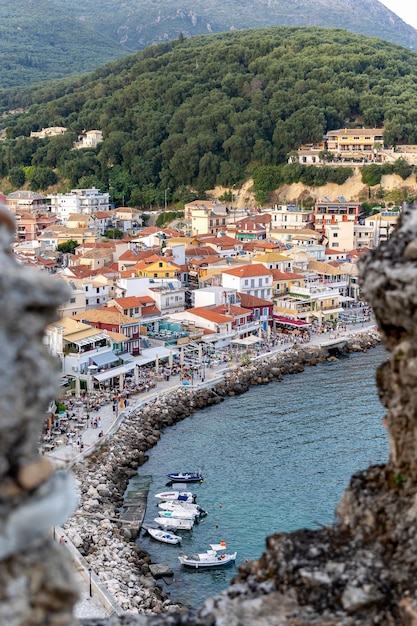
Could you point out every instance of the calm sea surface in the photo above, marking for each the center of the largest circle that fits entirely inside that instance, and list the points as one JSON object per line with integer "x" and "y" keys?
{"x": 277, "y": 458}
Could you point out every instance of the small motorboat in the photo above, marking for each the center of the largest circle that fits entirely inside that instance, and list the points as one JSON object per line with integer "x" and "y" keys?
{"x": 174, "y": 523}
{"x": 164, "y": 535}
{"x": 181, "y": 496}
{"x": 211, "y": 558}
{"x": 179, "y": 513}
{"x": 186, "y": 477}
{"x": 178, "y": 506}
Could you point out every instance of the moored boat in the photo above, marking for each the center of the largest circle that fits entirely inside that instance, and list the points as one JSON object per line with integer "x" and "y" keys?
{"x": 186, "y": 477}
{"x": 181, "y": 496}
{"x": 211, "y": 558}
{"x": 179, "y": 513}
{"x": 178, "y": 506}
{"x": 174, "y": 523}
{"x": 164, "y": 536}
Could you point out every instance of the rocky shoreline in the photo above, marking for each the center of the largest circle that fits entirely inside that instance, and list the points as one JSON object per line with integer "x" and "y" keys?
{"x": 108, "y": 546}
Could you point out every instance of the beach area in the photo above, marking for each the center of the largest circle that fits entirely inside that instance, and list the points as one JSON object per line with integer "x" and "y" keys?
{"x": 109, "y": 560}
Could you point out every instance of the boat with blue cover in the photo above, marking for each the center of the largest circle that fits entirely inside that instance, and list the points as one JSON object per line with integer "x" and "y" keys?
{"x": 186, "y": 477}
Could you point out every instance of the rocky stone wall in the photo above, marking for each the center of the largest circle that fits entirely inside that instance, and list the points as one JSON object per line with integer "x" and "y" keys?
{"x": 360, "y": 571}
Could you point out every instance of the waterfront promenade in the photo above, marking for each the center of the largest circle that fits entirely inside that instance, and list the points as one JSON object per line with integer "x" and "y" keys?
{"x": 96, "y": 605}
{"x": 91, "y": 437}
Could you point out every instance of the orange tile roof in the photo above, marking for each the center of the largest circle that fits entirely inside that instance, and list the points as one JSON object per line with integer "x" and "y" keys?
{"x": 132, "y": 301}
{"x": 210, "y": 315}
{"x": 250, "y": 270}
{"x": 231, "y": 309}
{"x": 246, "y": 300}
{"x": 278, "y": 275}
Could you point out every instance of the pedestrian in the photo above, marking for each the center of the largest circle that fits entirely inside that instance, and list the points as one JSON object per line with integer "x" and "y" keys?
{"x": 62, "y": 539}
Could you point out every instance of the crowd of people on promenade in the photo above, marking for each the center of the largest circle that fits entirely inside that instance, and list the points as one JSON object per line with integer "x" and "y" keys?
{"x": 74, "y": 413}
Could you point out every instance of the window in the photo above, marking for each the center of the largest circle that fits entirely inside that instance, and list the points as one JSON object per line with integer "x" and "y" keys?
{"x": 97, "y": 289}
{"x": 260, "y": 282}
{"x": 97, "y": 300}
{"x": 160, "y": 264}
{"x": 72, "y": 300}
{"x": 252, "y": 282}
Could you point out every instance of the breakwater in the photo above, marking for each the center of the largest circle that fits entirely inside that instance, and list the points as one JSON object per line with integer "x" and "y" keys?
{"x": 107, "y": 545}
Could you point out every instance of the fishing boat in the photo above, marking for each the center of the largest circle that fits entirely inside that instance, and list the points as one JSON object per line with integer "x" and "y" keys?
{"x": 164, "y": 535}
{"x": 174, "y": 523}
{"x": 211, "y": 558}
{"x": 186, "y": 477}
{"x": 178, "y": 506}
{"x": 181, "y": 496}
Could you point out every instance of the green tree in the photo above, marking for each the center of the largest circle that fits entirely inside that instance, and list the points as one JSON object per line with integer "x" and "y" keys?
{"x": 371, "y": 175}
{"x": 67, "y": 246}
{"x": 402, "y": 168}
{"x": 17, "y": 177}
{"x": 114, "y": 233}
{"x": 42, "y": 178}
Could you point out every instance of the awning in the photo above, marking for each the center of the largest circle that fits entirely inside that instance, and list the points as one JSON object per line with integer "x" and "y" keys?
{"x": 105, "y": 358}
{"x": 346, "y": 299}
{"x": 86, "y": 340}
{"x": 151, "y": 354}
{"x": 333, "y": 311}
{"x": 247, "y": 341}
{"x": 289, "y": 322}
{"x": 114, "y": 372}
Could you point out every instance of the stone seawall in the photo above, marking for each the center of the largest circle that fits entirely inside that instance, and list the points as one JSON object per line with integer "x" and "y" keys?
{"x": 108, "y": 546}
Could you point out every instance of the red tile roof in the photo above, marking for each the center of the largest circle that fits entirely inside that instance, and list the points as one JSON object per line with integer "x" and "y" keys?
{"x": 250, "y": 270}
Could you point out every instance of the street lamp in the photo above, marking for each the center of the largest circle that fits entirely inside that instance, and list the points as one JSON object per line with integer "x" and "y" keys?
{"x": 165, "y": 198}
{"x": 233, "y": 209}
{"x": 91, "y": 590}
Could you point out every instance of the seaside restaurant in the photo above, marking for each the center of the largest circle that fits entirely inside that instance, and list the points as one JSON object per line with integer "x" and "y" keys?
{"x": 131, "y": 368}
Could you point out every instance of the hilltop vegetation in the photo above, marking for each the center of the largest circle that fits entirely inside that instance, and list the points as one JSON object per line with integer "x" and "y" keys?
{"x": 48, "y": 39}
{"x": 195, "y": 113}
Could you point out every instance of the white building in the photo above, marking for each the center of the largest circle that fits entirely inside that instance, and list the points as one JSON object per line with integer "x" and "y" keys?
{"x": 254, "y": 279}
{"x": 290, "y": 216}
{"x": 84, "y": 201}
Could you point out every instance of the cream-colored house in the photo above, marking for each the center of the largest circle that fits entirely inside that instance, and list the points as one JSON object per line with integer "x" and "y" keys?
{"x": 206, "y": 217}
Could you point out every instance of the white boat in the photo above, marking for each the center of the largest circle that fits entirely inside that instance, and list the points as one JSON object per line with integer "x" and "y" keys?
{"x": 164, "y": 535}
{"x": 178, "y": 506}
{"x": 174, "y": 523}
{"x": 179, "y": 513}
{"x": 211, "y": 558}
{"x": 182, "y": 496}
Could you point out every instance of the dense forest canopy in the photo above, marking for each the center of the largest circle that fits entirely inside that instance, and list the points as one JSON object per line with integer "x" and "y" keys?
{"x": 48, "y": 39}
{"x": 210, "y": 110}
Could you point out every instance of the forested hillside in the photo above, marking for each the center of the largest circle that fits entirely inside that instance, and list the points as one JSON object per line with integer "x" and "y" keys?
{"x": 42, "y": 41}
{"x": 48, "y": 39}
{"x": 211, "y": 110}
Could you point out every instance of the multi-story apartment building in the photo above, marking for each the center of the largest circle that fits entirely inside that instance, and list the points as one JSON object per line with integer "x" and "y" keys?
{"x": 85, "y": 201}
{"x": 206, "y": 217}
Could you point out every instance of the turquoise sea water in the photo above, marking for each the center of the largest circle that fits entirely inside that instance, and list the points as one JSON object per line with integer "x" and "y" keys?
{"x": 274, "y": 459}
